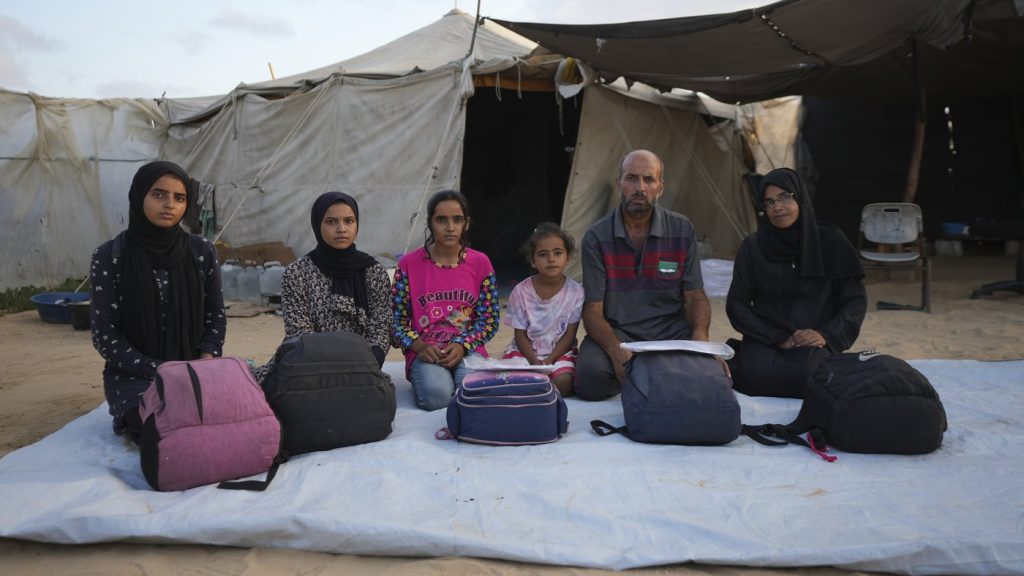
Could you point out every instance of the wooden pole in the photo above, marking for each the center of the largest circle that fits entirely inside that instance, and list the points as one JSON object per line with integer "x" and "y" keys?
{"x": 271, "y": 67}
{"x": 914, "y": 172}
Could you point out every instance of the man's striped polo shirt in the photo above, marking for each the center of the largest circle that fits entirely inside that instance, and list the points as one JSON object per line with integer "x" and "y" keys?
{"x": 642, "y": 289}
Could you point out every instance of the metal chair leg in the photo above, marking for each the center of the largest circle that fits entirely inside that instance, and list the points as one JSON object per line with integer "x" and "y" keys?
{"x": 926, "y": 286}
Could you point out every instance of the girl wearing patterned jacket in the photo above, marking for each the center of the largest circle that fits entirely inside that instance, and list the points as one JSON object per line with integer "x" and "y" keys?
{"x": 444, "y": 303}
{"x": 335, "y": 286}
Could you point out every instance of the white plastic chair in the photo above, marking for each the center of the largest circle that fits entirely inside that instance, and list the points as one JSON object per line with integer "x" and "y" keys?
{"x": 895, "y": 231}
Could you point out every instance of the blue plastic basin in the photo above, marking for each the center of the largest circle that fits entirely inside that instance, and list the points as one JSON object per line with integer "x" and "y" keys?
{"x": 53, "y": 308}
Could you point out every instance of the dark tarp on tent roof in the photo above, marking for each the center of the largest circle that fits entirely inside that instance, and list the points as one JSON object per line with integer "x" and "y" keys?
{"x": 855, "y": 59}
{"x": 828, "y": 48}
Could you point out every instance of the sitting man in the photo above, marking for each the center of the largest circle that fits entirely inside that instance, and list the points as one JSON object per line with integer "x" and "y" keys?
{"x": 641, "y": 279}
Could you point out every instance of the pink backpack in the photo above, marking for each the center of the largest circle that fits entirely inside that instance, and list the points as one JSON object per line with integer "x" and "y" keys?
{"x": 206, "y": 421}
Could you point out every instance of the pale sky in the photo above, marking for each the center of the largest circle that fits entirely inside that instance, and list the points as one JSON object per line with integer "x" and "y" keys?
{"x": 142, "y": 48}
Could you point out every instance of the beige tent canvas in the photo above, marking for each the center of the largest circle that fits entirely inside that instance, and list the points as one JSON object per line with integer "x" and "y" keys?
{"x": 390, "y": 127}
{"x": 65, "y": 168}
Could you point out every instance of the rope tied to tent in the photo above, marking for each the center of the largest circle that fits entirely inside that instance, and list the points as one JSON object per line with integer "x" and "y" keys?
{"x": 622, "y": 132}
{"x": 234, "y": 115}
{"x": 235, "y": 212}
{"x": 519, "y": 80}
{"x": 561, "y": 112}
{"x": 703, "y": 171}
{"x": 793, "y": 43}
{"x": 256, "y": 183}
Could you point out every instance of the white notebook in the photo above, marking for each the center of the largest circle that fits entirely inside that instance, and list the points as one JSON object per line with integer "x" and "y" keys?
{"x": 710, "y": 348}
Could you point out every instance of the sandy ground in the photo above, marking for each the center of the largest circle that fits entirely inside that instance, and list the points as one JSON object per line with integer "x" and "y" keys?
{"x": 50, "y": 375}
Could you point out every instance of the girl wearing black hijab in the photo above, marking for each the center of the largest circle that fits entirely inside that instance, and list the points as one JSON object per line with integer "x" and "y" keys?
{"x": 156, "y": 292}
{"x": 335, "y": 286}
{"x": 797, "y": 293}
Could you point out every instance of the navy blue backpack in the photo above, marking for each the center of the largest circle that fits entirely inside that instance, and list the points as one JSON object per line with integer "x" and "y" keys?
{"x": 676, "y": 397}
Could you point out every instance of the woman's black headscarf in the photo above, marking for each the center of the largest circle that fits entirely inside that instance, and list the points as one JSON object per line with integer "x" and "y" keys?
{"x": 346, "y": 268}
{"x": 148, "y": 247}
{"x": 820, "y": 248}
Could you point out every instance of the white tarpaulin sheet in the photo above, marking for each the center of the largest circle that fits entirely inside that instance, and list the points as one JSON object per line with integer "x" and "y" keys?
{"x": 717, "y": 276}
{"x": 584, "y": 500}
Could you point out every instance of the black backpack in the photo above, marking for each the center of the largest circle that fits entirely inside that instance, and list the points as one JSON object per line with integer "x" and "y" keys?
{"x": 676, "y": 397}
{"x": 865, "y": 402}
{"x": 328, "y": 391}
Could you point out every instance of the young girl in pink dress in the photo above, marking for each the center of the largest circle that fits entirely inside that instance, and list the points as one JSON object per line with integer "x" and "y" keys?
{"x": 545, "y": 308}
{"x": 444, "y": 303}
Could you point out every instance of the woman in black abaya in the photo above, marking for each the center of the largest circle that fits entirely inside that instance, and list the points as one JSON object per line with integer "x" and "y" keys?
{"x": 155, "y": 292}
{"x": 797, "y": 293}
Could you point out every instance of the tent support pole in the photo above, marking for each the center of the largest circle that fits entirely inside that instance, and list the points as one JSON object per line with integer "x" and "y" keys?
{"x": 476, "y": 24}
{"x": 914, "y": 172}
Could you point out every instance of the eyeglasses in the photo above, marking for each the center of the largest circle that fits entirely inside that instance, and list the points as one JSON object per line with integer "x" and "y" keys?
{"x": 783, "y": 198}
{"x": 443, "y": 220}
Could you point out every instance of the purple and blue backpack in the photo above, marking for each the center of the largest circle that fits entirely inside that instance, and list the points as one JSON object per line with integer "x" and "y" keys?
{"x": 507, "y": 409}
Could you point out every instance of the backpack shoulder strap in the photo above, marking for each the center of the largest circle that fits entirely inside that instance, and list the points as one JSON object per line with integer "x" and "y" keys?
{"x": 779, "y": 435}
{"x": 255, "y": 485}
{"x": 768, "y": 434}
{"x": 603, "y": 428}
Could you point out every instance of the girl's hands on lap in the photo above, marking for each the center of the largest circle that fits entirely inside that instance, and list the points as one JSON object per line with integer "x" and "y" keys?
{"x": 452, "y": 354}
{"x": 431, "y": 354}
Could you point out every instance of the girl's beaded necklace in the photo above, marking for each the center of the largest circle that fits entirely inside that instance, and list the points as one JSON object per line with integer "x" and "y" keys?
{"x": 461, "y": 259}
